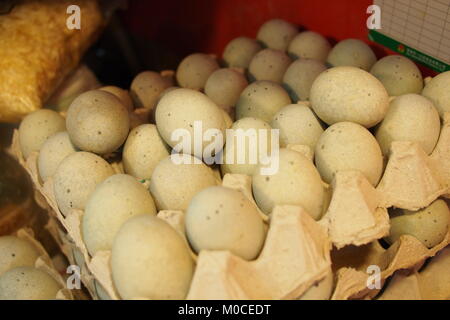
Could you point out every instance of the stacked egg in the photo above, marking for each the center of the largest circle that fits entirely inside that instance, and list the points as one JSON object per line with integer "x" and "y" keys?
{"x": 285, "y": 88}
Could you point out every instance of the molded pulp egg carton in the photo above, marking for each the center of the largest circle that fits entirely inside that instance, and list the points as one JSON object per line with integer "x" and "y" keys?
{"x": 431, "y": 282}
{"x": 44, "y": 263}
{"x": 298, "y": 250}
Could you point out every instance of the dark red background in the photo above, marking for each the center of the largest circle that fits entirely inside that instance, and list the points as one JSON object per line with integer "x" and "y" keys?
{"x": 185, "y": 26}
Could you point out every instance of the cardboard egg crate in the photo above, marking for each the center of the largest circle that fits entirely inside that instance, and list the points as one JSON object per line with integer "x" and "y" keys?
{"x": 432, "y": 282}
{"x": 45, "y": 264}
{"x": 297, "y": 254}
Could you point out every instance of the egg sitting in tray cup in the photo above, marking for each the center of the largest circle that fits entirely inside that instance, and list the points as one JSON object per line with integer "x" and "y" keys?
{"x": 358, "y": 184}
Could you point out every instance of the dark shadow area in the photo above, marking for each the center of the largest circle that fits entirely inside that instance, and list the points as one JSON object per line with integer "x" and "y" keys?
{"x": 151, "y": 35}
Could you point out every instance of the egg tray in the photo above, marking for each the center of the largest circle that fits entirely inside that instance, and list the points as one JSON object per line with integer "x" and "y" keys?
{"x": 407, "y": 254}
{"x": 287, "y": 268}
{"x": 295, "y": 255}
{"x": 45, "y": 264}
{"x": 431, "y": 282}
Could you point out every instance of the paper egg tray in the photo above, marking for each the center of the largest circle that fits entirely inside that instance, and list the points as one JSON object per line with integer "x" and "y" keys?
{"x": 297, "y": 250}
{"x": 432, "y": 282}
{"x": 44, "y": 263}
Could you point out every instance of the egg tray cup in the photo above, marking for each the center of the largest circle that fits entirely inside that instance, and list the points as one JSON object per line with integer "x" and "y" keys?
{"x": 412, "y": 180}
{"x": 45, "y": 264}
{"x": 431, "y": 282}
{"x": 297, "y": 250}
{"x": 406, "y": 255}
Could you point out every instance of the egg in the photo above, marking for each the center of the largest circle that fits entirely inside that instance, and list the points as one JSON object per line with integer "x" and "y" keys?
{"x": 79, "y": 80}
{"x": 224, "y": 87}
{"x": 269, "y": 64}
{"x": 349, "y": 94}
{"x": 151, "y": 260}
{"x": 195, "y": 69}
{"x": 36, "y": 127}
{"x": 437, "y": 91}
{"x": 174, "y": 184}
{"x": 28, "y": 283}
{"x": 97, "y": 122}
{"x": 297, "y": 124}
{"x": 166, "y": 91}
{"x": 399, "y": 75}
{"x": 262, "y": 99}
{"x": 100, "y": 291}
{"x": 352, "y": 52}
{"x": 77, "y": 177}
{"x": 78, "y": 257}
{"x": 114, "y": 201}
{"x": 410, "y": 117}
{"x": 146, "y": 88}
{"x": 122, "y": 95}
{"x": 300, "y": 76}
{"x": 239, "y": 52}
{"x": 429, "y": 225}
{"x": 220, "y": 218}
{"x": 16, "y": 252}
{"x": 348, "y": 146}
{"x": 143, "y": 150}
{"x": 276, "y": 34}
{"x": 297, "y": 182}
{"x": 53, "y": 151}
{"x": 153, "y": 112}
{"x": 183, "y": 110}
{"x": 321, "y": 290}
{"x": 242, "y": 155}
{"x": 227, "y": 118}
{"x": 309, "y": 45}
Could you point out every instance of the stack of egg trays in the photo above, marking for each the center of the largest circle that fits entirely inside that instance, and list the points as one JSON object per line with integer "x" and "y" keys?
{"x": 45, "y": 264}
{"x": 287, "y": 268}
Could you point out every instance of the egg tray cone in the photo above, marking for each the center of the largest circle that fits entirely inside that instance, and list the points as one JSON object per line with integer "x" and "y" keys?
{"x": 45, "y": 264}
{"x": 407, "y": 253}
{"x": 411, "y": 180}
{"x": 430, "y": 283}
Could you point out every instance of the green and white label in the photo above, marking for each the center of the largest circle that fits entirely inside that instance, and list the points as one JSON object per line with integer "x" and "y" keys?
{"x": 418, "y": 29}
{"x": 409, "y": 52}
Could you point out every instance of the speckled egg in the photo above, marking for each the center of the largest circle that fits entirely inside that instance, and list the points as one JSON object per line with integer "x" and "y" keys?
{"x": 269, "y": 64}
{"x": 410, "y": 117}
{"x": 277, "y": 34}
{"x": 352, "y": 52}
{"x": 348, "y": 146}
{"x": 349, "y": 94}
{"x": 309, "y": 45}
{"x": 300, "y": 76}
{"x": 262, "y": 99}
{"x": 195, "y": 69}
{"x": 240, "y": 51}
